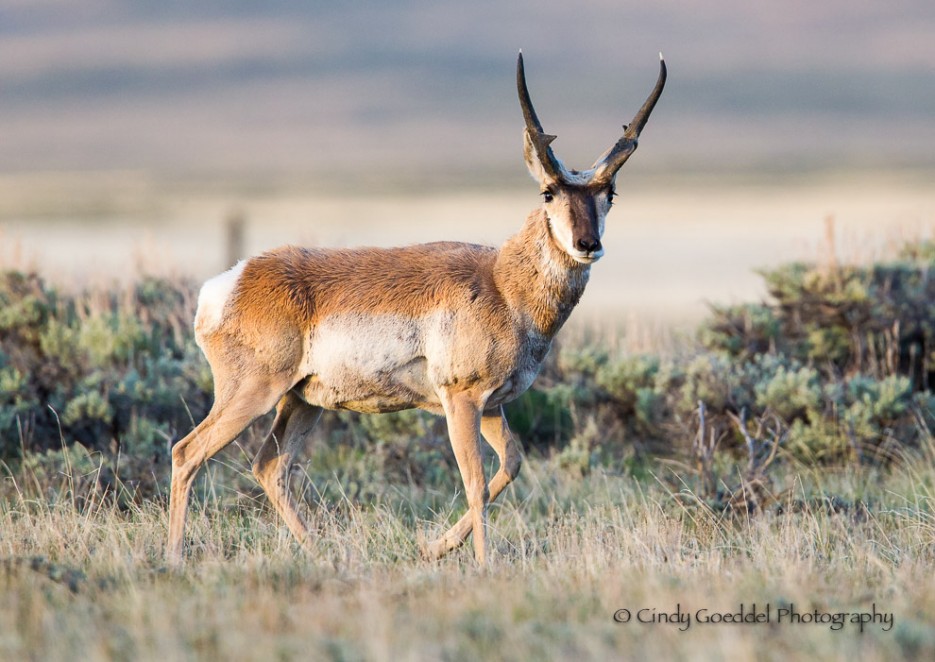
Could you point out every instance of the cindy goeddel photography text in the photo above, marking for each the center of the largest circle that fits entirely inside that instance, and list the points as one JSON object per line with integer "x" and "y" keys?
{"x": 786, "y": 614}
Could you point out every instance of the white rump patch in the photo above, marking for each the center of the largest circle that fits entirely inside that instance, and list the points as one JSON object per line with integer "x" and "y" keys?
{"x": 214, "y": 296}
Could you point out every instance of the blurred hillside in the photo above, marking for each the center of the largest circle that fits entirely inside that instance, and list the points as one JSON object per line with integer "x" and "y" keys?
{"x": 409, "y": 87}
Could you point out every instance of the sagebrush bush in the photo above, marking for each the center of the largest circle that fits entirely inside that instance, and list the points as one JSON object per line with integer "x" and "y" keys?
{"x": 116, "y": 371}
{"x": 876, "y": 320}
{"x": 842, "y": 358}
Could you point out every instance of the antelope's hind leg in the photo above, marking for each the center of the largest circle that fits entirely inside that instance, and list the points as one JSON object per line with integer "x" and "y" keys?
{"x": 295, "y": 419}
{"x": 231, "y": 413}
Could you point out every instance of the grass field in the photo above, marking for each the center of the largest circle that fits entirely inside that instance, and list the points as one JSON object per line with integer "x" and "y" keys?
{"x": 621, "y": 511}
{"x": 729, "y": 452}
{"x": 568, "y": 553}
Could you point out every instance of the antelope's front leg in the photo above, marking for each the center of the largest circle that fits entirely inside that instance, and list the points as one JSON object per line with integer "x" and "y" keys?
{"x": 494, "y": 428}
{"x": 463, "y": 414}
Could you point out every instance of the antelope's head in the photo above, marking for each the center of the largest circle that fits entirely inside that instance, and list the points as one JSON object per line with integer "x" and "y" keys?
{"x": 576, "y": 202}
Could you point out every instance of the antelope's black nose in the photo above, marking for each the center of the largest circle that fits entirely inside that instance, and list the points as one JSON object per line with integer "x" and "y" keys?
{"x": 588, "y": 245}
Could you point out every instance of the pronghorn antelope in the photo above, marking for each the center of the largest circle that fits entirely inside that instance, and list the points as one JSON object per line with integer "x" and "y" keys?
{"x": 455, "y": 329}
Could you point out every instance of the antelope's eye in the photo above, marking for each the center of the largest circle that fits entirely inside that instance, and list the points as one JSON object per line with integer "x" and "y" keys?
{"x": 611, "y": 194}
{"x": 548, "y": 196}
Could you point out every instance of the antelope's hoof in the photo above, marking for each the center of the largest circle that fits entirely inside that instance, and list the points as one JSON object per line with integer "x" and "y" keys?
{"x": 430, "y": 551}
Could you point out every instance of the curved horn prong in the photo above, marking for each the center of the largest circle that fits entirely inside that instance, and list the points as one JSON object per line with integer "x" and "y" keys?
{"x": 536, "y": 138}
{"x": 607, "y": 165}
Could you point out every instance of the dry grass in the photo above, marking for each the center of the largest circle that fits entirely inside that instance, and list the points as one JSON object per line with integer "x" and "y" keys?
{"x": 567, "y": 554}
{"x": 82, "y": 579}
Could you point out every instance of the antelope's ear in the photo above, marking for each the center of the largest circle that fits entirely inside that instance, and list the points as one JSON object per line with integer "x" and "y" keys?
{"x": 533, "y": 154}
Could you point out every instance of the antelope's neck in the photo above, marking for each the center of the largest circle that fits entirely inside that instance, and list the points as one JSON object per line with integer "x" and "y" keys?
{"x": 539, "y": 281}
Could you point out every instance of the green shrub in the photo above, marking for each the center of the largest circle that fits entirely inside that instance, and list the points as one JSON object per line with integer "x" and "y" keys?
{"x": 741, "y": 331}
{"x": 791, "y": 394}
{"x": 877, "y": 319}
{"x": 103, "y": 368}
{"x": 840, "y": 358}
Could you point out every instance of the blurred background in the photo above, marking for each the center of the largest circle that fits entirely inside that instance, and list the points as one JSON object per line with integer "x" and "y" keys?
{"x": 134, "y": 135}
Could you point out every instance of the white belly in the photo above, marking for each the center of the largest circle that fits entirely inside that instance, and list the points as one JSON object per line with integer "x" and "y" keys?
{"x": 368, "y": 363}
{"x": 380, "y": 363}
